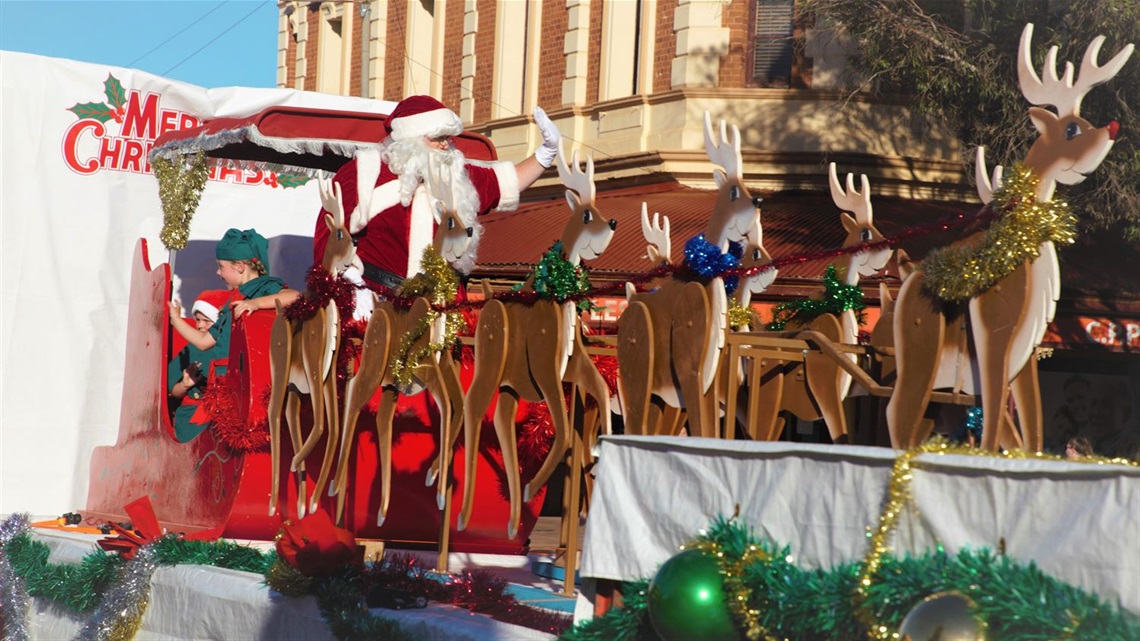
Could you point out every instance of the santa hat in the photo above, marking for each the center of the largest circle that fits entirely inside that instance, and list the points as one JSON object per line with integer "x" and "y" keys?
{"x": 417, "y": 116}
{"x": 210, "y": 303}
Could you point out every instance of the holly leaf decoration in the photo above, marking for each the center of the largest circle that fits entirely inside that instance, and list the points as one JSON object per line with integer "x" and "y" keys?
{"x": 113, "y": 89}
{"x": 290, "y": 181}
{"x": 93, "y": 110}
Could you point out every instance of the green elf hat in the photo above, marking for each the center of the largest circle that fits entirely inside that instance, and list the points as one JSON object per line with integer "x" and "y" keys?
{"x": 243, "y": 245}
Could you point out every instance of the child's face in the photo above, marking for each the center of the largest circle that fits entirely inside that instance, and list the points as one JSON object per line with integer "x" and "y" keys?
{"x": 231, "y": 273}
{"x": 201, "y": 323}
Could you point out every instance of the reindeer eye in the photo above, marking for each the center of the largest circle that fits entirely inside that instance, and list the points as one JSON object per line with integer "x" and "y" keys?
{"x": 756, "y": 254}
{"x": 1072, "y": 131}
{"x": 734, "y": 193}
{"x": 451, "y": 223}
{"x": 865, "y": 235}
{"x": 587, "y": 216}
{"x": 340, "y": 234}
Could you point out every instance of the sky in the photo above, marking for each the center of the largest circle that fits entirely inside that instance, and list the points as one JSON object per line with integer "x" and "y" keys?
{"x": 210, "y": 43}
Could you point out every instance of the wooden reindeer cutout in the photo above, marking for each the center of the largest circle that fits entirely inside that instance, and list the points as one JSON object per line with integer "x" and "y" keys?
{"x": 526, "y": 350}
{"x": 1008, "y": 318}
{"x": 436, "y": 372}
{"x": 670, "y": 339}
{"x": 825, "y": 385}
{"x": 302, "y": 356}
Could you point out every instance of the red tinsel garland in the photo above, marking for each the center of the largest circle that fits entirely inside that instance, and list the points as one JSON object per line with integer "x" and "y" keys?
{"x": 220, "y": 402}
{"x": 320, "y": 288}
{"x": 618, "y": 288}
{"x": 479, "y": 592}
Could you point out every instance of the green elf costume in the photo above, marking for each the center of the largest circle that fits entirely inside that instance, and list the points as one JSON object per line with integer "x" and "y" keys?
{"x": 209, "y": 304}
{"x": 235, "y": 245}
{"x": 241, "y": 245}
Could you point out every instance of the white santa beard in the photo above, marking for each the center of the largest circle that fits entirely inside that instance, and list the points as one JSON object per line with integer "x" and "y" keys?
{"x": 410, "y": 160}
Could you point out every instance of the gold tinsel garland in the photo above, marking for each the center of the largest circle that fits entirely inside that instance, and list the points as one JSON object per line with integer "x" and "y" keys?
{"x": 439, "y": 283}
{"x": 738, "y": 315}
{"x": 180, "y": 184}
{"x": 898, "y": 495}
{"x": 960, "y": 273}
{"x": 735, "y": 587}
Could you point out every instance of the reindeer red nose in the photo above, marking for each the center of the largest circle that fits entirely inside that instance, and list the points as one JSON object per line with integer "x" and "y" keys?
{"x": 1113, "y": 129}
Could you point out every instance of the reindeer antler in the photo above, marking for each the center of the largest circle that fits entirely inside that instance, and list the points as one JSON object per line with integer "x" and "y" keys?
{"x": 1061, "y": 92}
{"x": 573, "y": 177}
{"x": 656, "y": 234}
{"x": 721, "y": 151}
{"x": 857, "y": 202}
{"x": 987, "y": 185}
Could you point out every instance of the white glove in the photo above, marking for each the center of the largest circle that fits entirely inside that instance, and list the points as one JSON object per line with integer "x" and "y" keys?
{"x": 550, "y": 138}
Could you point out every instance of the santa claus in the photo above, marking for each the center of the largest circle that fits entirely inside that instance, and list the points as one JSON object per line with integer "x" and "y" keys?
{"x": 387, "y": 207}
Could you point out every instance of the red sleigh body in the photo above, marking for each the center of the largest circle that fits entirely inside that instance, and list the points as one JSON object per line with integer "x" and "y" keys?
{"x": 204, "y": 485}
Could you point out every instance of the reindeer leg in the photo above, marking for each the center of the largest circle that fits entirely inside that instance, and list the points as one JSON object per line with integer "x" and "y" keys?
{"x": 689, "y": 342}
{"x": 449, "y": 373}
{"x": 549, "y": 382}
{"x": 1027, "y": 395}
{"x": 635, "y": 349}
{"x": 491, "y": 337}
{"x": 765, "y": 391}
{"x": 433, "y": 380}
{"x": 996, "y": 315}
{"x": 384, "y": 416}
{"x": 293, "y": 420}
{"x": 918, "y": 330}
{"x": 329, "y": 392}
{"x": 823, "y": 379}
{"x": 280, "y": 354}
{"x": 373, "y": 362}
{"x": 505, "y": 412}
{"x": 313, "y": 342}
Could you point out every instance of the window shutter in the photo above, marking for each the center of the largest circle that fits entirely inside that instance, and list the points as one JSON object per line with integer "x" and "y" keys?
{"x": 772, "y": 45}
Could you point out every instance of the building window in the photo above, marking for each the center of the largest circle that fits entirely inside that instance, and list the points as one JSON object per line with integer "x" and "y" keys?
{"x": 772, "y": 52}
{"x": 621, "y": 49}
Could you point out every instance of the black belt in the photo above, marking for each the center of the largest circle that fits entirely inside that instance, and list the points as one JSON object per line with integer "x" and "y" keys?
{"x": 382, "y": 276}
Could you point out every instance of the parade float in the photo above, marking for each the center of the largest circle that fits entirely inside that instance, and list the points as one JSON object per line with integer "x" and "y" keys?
{"x": 777, "y": 540}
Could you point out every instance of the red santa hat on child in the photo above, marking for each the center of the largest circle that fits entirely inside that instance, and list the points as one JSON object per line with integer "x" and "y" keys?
{"x": 416, "y": 116}
{"x": 210, "y": 303}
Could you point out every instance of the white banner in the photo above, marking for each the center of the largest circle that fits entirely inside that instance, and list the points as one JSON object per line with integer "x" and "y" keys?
{"x": 77, "y": 194}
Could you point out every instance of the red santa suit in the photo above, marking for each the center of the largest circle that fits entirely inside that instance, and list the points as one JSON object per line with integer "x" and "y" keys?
{"x": 390, "y": 236}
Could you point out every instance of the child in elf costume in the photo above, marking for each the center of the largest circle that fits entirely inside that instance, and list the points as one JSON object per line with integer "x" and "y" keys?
{"x": 243, "y": 264}
{"x": 186, "y": 373}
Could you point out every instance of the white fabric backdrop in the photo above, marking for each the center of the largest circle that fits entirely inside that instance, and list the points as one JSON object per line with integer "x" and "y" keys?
{"x": 1080, "y": 523}
{"x": 66, "y": 243}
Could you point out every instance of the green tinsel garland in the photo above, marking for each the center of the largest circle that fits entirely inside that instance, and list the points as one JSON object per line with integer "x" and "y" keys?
{"x": 1017, "y": 602}
{"x": 559, "y": 279}
{"x": 80, "y": 587}
{"x": 838, "y": 297}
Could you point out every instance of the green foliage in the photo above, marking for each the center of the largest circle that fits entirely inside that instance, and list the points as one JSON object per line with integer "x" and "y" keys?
{"x": 1017, "y": 602}
{"x": 958, "y": 59}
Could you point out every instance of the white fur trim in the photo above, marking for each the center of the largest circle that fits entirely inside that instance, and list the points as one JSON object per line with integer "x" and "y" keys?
{"x": 380, "y": 198}
{"x": 420, "y": 227}
{"x": 207, "y": 310}
{"x": 508, "y": 185}
{"x": 367, "y": 171}
{"x": 437, "y": 122}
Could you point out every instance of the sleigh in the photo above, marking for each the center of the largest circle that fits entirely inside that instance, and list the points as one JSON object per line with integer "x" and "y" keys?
{"x": 207, "y": 485}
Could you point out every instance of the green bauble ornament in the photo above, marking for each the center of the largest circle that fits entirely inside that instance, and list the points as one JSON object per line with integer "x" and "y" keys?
{"x": 946, "y": 616}
{"x": 686, "y": 600}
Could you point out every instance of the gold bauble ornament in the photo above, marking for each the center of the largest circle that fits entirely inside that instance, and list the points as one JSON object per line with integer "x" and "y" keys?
{"x": 945, "y": 616}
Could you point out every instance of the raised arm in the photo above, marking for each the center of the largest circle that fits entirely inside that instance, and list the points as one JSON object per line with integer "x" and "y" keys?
{"x": 530, "y": 169}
